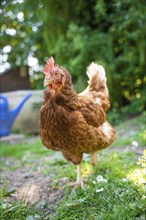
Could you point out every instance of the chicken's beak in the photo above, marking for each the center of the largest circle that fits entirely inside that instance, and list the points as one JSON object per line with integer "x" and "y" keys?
{"x": 47, "y": 82}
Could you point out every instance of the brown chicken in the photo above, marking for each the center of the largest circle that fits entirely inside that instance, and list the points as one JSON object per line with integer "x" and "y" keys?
{"x": 75, "y": 123}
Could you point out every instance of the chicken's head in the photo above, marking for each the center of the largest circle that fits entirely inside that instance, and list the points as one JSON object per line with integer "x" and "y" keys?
{"x": 54, "y": 75}
{"x": 73, "y": 157}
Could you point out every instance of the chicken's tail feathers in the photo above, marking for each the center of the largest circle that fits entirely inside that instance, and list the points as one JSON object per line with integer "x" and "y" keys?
{"x": 97, "y": 78}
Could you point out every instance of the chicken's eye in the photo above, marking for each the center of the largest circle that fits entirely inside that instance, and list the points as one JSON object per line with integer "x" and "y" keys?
{"x": 69, "y": 159}
{"x": 56, "y": 74}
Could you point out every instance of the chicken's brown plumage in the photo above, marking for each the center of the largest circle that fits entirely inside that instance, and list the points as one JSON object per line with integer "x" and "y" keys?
{"x": 75, "y": 123}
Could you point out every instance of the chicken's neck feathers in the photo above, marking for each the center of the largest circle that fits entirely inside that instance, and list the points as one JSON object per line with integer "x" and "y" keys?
{"x": 66, "y": 98}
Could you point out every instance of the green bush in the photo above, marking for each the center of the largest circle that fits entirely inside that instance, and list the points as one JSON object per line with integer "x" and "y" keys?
{"x": 108, "y": 32}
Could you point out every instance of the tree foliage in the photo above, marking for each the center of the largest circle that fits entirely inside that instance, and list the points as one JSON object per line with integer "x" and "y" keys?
{"x": 78, "y": 32}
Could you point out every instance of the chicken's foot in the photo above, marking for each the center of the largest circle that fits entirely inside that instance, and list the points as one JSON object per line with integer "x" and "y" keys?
{"x": 93, "y": 159}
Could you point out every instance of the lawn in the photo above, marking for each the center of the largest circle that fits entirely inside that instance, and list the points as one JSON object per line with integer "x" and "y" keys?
{"x": 114, "y": 189}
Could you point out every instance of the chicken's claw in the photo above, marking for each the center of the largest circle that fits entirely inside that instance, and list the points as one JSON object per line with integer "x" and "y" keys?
{"x": 76, "y": 185}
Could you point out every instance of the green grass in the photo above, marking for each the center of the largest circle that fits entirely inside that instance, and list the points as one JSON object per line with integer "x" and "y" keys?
{"x": 19, "y": 211}
{"x": 131, "y": 130}
{"x": 122, "y": 196}
{"x": 119, "y": 196}
{"x": 21, "y": 149}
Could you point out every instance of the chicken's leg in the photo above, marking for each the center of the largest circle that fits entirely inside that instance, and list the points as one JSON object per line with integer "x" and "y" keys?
{"x": 79, "y": 181}
{"x": 93, "y": 160}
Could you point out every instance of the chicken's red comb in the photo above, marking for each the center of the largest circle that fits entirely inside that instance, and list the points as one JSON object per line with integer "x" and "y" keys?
{"x": 49, "y": 65}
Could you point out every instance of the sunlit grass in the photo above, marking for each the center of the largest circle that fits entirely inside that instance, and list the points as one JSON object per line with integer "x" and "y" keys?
{"x": 138, "y": 175}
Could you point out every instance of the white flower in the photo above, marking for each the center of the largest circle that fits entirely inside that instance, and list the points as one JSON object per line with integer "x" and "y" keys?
{"x": 135, "y": 143}
{"x": 100, "y": 179}
{"x": 125, "y": 180}
{"x": 100, "y": 190}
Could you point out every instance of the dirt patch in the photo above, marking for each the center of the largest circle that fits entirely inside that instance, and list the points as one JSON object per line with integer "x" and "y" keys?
{"x": 32, "y": 186}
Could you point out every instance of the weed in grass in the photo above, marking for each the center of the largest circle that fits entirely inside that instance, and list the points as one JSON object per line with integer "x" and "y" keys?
{"x": 4, "y": 192}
